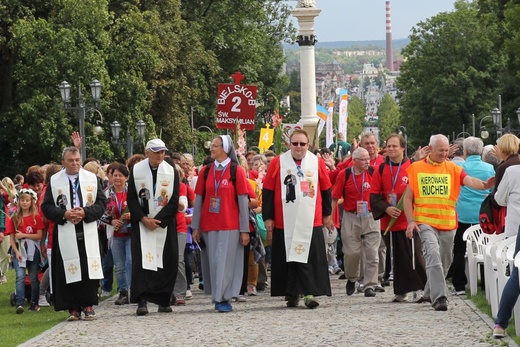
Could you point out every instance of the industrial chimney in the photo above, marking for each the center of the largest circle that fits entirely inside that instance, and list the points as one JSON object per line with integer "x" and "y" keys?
{"x": 389, "y": 50}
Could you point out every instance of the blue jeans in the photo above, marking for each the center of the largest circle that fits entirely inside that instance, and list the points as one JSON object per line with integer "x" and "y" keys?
{"x": 107, "y": 263}
{"x": 509, "y": 294}
{"x": 121, "y": 253}
{"x": 33, "y": 267}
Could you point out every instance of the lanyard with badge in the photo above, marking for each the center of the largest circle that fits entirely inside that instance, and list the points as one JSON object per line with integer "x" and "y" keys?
{"x": 305, "y": 187}
{"x": 361, "y": 206}
{"x": 392, "y": 196}
{"x": 119, "y": 205}
{"x": 214, "y": 202}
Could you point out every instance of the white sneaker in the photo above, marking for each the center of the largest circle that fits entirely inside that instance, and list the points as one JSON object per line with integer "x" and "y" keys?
{"x": 400, "y": 298}
{"x": 417, "y": 295}
{"x": 105, "y": 294}
{"x": 458, "y": 292}
{"x": 240, "y": 298}
{"x": 3, "y": 279}
{"x": 42, "y": 301}
{"x": 189, "y": 295}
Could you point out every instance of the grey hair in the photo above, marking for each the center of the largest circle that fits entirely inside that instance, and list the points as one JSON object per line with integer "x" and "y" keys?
{"x": 358, "y": 152}
{"x": 368, "y": 134}
{"x": 259, "y": 157}
{"x": 459, "y": 150}
{"x": 435, "y": 139}
{"x": 188, "y": 156}
{"x": 71, "y": 149}
{"x": 473, "y": 146}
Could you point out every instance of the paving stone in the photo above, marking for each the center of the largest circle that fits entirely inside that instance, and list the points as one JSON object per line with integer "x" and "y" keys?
{"x": 340, "y": 320}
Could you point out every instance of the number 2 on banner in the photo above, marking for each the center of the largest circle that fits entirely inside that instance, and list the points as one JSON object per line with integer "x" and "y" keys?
{"x": 237, "y": 100}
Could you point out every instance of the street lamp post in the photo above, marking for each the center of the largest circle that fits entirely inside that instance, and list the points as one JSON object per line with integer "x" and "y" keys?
{"x": 496, "y": 114}
{"x": 464, "y": 133}
{"x": 81, "y": 108}
{"x": 483, "y": 132}
{"x": 497, "y": 120}
{"x": 192, "y": 134}
{"x": 402, "y": 131}
{"x": 207, "y": 144}
{"x": 473, "y": 122}
{"x": 116, "y": 131}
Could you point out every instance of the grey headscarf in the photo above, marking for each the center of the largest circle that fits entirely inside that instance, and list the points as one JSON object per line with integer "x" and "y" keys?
{"x": 229, "y": 148}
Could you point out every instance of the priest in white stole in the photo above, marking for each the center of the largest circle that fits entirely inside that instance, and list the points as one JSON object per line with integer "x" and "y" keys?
{"x": 76, "y": 261}
{"x": 153, "y": 198}
{"x": 296, "y": 203}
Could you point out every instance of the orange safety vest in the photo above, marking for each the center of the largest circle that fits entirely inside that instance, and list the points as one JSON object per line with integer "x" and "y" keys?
{"x": 436, "y": 188}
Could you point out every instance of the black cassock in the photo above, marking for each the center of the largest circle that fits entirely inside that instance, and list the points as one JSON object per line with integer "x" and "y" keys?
{"x": 80, "y": 294}
{"x": 153, "y": 286}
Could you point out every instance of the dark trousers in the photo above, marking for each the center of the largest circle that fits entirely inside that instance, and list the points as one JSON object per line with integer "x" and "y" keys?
{"x": 458, "y": 266}
{"x": 243, "y": 288}
{"x": 188, "y": 266}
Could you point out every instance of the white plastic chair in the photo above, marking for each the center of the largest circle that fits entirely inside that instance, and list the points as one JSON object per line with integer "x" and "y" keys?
{"x": 502, "y": 263}
{"x": 490, "y": 269}
{"x": 475, "y": 253}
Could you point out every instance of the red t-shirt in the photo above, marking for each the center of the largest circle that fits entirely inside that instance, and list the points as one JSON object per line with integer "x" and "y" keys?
{"x": 348, "y": 163}
{"x": 182, "y": 227}
{"x": 355, "y": 189}
{"x": 383, "y": 184}
{"x": 273, "y": 182}
{"x": 226, "y": 196}
{"x": 29, "y": 225}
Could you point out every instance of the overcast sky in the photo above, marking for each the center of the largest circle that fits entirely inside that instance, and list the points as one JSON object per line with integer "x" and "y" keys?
{"x": 355, "y": 20}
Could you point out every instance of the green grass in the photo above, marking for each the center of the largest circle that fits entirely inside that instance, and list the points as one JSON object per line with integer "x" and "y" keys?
{"x": 480, "y": 301}
{"x": 19, "y": 328}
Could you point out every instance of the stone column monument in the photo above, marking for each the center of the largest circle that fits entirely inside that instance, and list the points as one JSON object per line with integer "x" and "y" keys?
{"x": 305, "y": 12}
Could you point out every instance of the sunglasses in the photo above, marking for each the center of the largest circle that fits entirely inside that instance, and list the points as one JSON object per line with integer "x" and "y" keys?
{"x": 301, "y": 144}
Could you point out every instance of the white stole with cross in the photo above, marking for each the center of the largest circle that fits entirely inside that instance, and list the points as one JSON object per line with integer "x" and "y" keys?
{"x": 152, "y": 242}
{"x": 68, "y": 244}
{"x": 298, "y": 213}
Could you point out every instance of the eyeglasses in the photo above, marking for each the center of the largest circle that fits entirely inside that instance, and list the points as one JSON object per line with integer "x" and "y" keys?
{"x": 301, "y": 144}
{"x": 215, "y": 146}
{"x": 362, "y": 159}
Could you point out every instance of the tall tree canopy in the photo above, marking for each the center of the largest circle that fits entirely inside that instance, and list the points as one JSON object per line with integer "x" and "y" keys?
{"x": 389, "y": 117}
{"x": 158, "y": 61}
{"x": 452, "y": 69}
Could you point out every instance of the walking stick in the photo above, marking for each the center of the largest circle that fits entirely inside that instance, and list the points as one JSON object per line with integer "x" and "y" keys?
{"x": 413, "y": 252}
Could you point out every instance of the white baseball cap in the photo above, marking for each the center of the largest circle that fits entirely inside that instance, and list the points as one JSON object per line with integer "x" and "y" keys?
{"x": 156, "y": 145}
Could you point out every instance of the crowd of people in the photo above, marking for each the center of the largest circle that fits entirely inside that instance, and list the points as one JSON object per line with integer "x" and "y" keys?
{"x": 367, "y": 214}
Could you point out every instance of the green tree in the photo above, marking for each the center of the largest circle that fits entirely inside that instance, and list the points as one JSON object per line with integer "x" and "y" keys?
{"x": 389, "y": 116}
{"x": 248, "y": 40}
{"x": 451, "y": 70}
{"x": 356, "y": 114}
{"x": 41, "y": 44}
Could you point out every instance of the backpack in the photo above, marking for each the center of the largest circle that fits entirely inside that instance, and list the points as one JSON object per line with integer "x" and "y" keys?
{"x": 492, "y": 219}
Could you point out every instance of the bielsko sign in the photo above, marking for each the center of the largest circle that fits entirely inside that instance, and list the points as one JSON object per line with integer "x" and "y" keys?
{"x": 236, "y": 103}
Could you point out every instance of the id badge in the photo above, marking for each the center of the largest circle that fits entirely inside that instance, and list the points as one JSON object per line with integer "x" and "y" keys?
{"x": 391, "y": 198}
{"x": 214, "y": 204}
{"x": 305, "y": 187}
{"x": 362, "y": 209}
